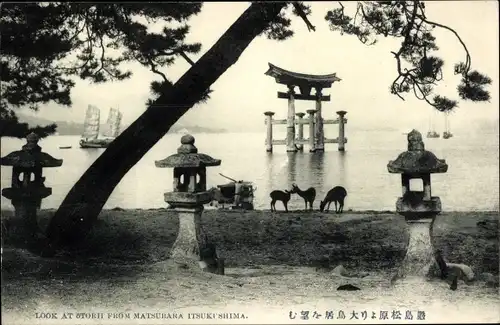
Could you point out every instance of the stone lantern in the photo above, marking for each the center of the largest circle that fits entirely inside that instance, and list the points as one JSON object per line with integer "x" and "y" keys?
{"x": 187, "y": 198}
{"x": 28, "y": 189}
{"x": 420, "y": 209}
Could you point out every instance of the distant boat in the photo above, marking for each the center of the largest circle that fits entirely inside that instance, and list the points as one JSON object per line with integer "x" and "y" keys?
{"x": 65, "y": 147}
{"x": 91, "y": 126}
{"x": 432, "y": 130}
{"x": 447, "y": 133}
{"x": 432, "y": 134}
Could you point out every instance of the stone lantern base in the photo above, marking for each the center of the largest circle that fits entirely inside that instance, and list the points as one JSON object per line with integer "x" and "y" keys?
{"x": 187, "y": 200}
{"x": 418, "y": 209}
{"x": 186, "y": 248}
{"x": 419, "y": 254}
{"x": 191, "y": 249}
{"x": 26, "y": 202}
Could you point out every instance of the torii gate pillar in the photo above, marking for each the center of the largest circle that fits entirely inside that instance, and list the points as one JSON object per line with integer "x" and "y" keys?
{"x": 290, "y": 121}
{"x": 319, "y": 144}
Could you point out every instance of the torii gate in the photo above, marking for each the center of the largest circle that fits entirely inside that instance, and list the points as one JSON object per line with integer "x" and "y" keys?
{"x": 305, "y": 83}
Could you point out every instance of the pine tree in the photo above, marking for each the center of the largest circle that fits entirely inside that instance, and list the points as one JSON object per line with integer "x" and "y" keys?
{"x": 46, "y": 46}
{"x": 418, "y": 68}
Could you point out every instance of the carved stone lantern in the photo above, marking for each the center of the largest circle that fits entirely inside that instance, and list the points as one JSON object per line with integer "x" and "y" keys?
{"x": 420, "y": 209}
{"x": 187, "y": 198}
{"x": 27, "y": 188}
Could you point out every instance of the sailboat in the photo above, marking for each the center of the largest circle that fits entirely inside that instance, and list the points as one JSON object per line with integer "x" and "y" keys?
{"x": 432, "y": 130}
{"x": 91, "y": 126}
{"x": 447, "y": 133}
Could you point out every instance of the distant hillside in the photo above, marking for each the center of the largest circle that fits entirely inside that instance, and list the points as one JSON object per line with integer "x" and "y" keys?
{"x": 71, "y": 128}
{"x": 63, "y": 127}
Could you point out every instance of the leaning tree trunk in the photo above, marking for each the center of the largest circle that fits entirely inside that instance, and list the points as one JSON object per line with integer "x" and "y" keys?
{"x": 84, "y": 202}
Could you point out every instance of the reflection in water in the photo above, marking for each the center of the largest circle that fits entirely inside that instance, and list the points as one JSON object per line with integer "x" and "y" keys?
{"x": 341, "y": 158}
{"x": 270, "y": 171}
{"x": 316, "y": 172}
{"x": 292, "y": 168}
{"x": 92, "y": 153}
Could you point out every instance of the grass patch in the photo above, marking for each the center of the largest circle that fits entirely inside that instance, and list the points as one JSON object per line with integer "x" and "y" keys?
{"x": 362, "y": 240}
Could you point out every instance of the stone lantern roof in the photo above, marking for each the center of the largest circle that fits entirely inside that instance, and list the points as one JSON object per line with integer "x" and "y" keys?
{"x": 30, "y": 156}
{"x": 187, "y": 156}
{"x": 417, "y": 160}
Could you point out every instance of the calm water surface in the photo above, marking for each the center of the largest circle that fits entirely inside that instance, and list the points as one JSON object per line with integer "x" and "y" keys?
{"x": 471, "y": 183}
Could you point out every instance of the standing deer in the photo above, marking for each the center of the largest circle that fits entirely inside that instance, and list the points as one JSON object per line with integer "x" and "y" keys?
{"x": 277, "y": 195}
{"x": 336, "y": 194}
{"x": 308, "y": 195}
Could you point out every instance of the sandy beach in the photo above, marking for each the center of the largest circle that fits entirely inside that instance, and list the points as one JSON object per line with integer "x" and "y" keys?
{"x": 278, "y": 260}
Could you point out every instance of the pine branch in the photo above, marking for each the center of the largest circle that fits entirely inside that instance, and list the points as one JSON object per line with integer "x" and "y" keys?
{"x": 302, "y": 14}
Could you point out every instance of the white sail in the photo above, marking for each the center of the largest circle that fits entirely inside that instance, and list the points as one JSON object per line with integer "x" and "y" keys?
{"x": 447, "y": 132}
{"x": 112, "y": 129}
{"x": 432, "y": 128}
{"x": 91, "y": 123}
{"x": 446, "y": 123}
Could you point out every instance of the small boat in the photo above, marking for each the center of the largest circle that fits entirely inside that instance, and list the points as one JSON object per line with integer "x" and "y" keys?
{"x": 432, "y": 134}
{"x": 65, "y": 147}
{"x": 90, "y": 136}
{"x": 225, "y": 194}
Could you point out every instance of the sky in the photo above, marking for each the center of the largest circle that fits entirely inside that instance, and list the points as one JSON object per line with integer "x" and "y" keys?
{"x": 243, "y": 92}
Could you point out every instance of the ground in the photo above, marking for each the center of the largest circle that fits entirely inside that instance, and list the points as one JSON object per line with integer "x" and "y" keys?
{"x": 125, "y": 259}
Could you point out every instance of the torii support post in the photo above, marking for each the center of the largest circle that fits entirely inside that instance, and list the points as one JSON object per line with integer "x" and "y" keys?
{"x": 311, "y": 129}
{"x": 320, "y": 135}
{"x": 290, "y": 121}
{"x": 269, "y": 137}
{"x": 341, "y": 139}
{"x": 300, "y": 131}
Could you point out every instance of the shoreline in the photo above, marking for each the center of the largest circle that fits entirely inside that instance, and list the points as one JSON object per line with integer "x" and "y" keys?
{"x": 349, "y": 211}
{"x": 364, "y": 240}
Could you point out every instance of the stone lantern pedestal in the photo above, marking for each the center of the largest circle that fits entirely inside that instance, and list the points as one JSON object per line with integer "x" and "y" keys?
{"x": 192, "y": 247}
{"x": 418, "y": 207}
{"x": 28, "y": 188}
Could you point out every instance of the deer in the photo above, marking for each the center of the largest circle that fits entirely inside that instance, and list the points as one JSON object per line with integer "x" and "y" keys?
{"x": 283, "y": 196}
{"x": 308, "y": 195}
{"x": 336, "y": 194}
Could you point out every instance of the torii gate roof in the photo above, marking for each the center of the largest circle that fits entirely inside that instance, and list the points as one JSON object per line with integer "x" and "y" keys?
{"x": 286, "y": 77}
